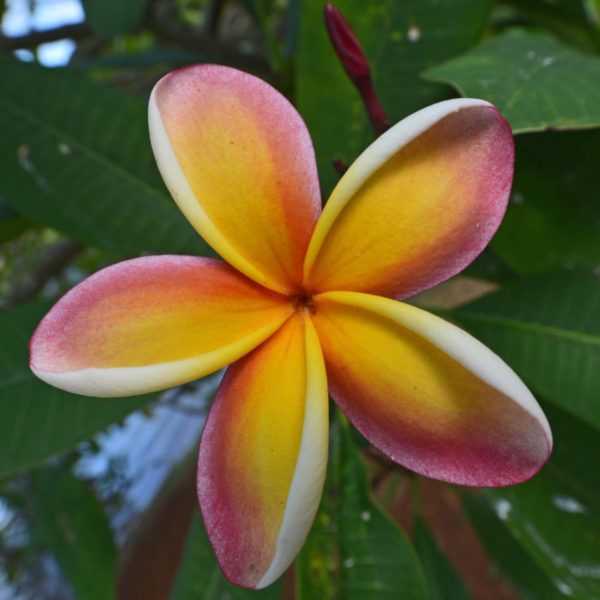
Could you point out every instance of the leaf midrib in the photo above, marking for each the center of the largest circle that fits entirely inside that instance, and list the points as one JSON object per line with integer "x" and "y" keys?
{"x": 91, "y": 153}
{"x": 531, "y": 327}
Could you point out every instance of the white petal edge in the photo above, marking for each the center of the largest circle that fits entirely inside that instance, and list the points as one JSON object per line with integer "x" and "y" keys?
{"x": 373, "y": 157}
{"x": 131, "y": 381}
{"x": 454, "y": 341}
{"x": 182, "y": 193}
{"x": 311, "y": 466}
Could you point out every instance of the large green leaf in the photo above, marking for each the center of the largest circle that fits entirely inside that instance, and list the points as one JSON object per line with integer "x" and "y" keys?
{"x": 508, "y": 555}
{"x": 554, "y": 217}
{"x": 536, "y": 83}
{"x": 109, "y": 17}
{"x": 36, "y": 420}
{"x": 353, "y": 550}
{"x": 12, "y": 224}
{"x": 76, "y": 157}
{"x": 200, "y": 577}
{"x": 555, "y": 517}
{"x": 400, "y": 39}
{"x": 442, "y": 580}
{"x": 592, "y": 10}
{"x": 70, "y": 522}
{"x": 548, "y": 329}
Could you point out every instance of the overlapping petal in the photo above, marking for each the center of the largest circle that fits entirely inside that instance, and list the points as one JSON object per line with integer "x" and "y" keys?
{"x": 418, "y": 205}
{"x": 240, "y": 164}
{"x": 151, "y": 323}
{"x": 427, "y": 394}
{"x": 263, "y": 455}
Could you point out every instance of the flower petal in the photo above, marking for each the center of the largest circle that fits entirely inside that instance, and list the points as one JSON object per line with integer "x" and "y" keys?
{"x": 151, "y": 323}
{"x": 428, "y": 394}
{"x": 263, "y": 456}
{"x": 418, "y": 205}
{"x": 240, "y": 164}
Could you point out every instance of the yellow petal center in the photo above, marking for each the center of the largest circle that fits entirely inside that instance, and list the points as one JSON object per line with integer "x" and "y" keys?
{"x": 303, "y": 301}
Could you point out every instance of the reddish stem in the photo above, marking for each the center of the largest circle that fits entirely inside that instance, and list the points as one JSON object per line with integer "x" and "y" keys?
{"x": 340, "y": 166}
{"x": 354, "y": 61}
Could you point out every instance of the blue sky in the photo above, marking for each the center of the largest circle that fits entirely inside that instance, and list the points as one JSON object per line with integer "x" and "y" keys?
{"x": 20, "y": 19}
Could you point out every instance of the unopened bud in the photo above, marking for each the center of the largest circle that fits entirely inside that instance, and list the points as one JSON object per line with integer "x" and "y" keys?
{"x": 354, "y": 61}
{"x": 346, "y": 45}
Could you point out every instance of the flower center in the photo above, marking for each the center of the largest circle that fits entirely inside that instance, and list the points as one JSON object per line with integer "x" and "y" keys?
{"x": 303, "y": 300}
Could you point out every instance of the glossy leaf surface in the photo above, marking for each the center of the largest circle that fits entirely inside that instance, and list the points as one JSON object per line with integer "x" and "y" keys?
{"x": 548, "y": 329}
{"x": 353, "y": 550}
{"x": 535, "y": 82}
{"x": 554, "y": 519}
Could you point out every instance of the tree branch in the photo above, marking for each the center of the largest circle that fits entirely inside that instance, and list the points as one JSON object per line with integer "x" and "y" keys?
{"x": 56, "y": 258}
{"x": 35, "y": 38}
{"x": 160, "y": 20}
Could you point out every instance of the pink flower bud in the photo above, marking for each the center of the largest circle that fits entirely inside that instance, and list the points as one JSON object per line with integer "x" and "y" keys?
{"x": 354, "y": 61}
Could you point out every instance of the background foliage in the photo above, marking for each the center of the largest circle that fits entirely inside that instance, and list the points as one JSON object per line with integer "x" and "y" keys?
{"x": 79, "y": 189}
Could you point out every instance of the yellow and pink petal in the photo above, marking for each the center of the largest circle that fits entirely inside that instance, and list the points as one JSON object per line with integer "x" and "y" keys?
{"x": 263, "y": 455}
{"x": 151, "y": 323}
{"x": 240, "y": 164}
{"x": 427, "y": 394}
{"x": 418, "y": 205}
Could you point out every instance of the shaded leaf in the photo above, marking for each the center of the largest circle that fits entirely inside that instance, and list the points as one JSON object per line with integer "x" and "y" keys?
{"x": 70, "y": 522}
{"x": 353, "y": 550}
{"x": 261, "y": 10}
{"x": 200, "y": 576}
{"x": 592, "y": 11}
{"x": 77, "y": 157}
{"x": 566, "y": 19}
{"x": 400, "y": 39}
{"x": 442, "y": 580}
{"x": 12, "y": 224}
{"x": 109, "y": 17}
{"x": 553, "y": 219}
{"x": 37, "y": 420}
{"x": 507, "y": 555}
{"x": 547, "y": 329}
{"x": 490, "y": 267}
{"x": 555, "y": 517}
{"x": 535, "y": 82}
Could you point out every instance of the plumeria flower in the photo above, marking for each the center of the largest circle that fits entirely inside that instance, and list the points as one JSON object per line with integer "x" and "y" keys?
{"x": 304, "y": 302}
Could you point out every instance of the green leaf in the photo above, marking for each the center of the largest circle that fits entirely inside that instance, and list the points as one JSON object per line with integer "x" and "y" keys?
{"x": 555, "y": 517}
{"x": 200, "y": 576}
{"x": 353, "y": 550}
{"x": 12, "y": 224}
{"x": 400, "y": 39}
{"x": 110, "y": 17}
{"x": 37, "y": 420}
{"x": 592, "y": 10}
{"x": 553, "y": 219}
{"x": 442, "y": 579}
{"x": 535, "y": 82}
{"x": 547, "y": 329}
{"x": 77, "y": 157}
{"x": 507, "y": 554}
{"x": 70, "y": 522}
{"x": 490, "y": 267}
{"x": 565, "y": 19}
